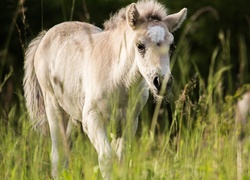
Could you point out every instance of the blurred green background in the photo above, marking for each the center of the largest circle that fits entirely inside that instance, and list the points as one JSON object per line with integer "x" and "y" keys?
{"x": 209, "y": 24}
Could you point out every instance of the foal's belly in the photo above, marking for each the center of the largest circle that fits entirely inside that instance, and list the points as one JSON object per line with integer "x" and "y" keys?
{"x": 70, "y": 101}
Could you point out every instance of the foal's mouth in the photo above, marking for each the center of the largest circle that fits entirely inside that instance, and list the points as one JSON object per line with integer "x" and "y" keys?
{"x": 162, "y": 85}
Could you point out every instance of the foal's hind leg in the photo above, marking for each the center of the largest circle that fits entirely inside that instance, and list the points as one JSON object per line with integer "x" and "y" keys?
{"x": 60, "y": 148}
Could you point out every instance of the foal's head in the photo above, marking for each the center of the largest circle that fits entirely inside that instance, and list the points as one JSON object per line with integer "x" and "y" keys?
{"x": 154, "y": 43}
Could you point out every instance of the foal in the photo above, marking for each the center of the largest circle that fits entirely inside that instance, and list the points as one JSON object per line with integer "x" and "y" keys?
{"x": 90, "y": 74}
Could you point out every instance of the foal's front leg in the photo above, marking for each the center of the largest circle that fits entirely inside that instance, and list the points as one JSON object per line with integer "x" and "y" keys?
{"x": 118, "y": 143}
{"x": 95, "y": 128}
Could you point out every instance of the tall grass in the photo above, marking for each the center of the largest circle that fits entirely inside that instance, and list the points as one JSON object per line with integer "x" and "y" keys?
{"x": 201, "y": 143}
{"x": 204, "y": 147}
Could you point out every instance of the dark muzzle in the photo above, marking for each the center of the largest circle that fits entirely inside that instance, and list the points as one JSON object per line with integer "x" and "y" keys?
{"x": 158, "y": 82}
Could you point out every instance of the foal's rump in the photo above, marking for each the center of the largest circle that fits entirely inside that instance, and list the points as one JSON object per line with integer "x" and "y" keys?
{"x": 50, "y": 67}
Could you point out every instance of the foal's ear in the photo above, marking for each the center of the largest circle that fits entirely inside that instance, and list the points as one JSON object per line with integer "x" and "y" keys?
{"x": 174, "y": 21}
{"x": 132, "y": 16}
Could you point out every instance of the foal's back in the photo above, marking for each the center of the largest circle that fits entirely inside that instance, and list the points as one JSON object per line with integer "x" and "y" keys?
{"x": 59, "y": 63}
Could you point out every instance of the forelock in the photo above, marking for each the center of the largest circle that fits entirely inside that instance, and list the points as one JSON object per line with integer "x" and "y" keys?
{"x": 150, "y": 10}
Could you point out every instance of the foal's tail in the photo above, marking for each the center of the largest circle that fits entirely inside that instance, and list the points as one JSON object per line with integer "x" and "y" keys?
{"x": 32, "y": 89}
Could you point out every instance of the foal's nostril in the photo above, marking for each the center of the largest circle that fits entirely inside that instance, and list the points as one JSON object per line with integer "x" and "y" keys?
{"x": 157, "y": 83}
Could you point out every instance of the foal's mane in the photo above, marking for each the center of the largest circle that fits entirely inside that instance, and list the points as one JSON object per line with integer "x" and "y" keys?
{"x": 148, "y": 9}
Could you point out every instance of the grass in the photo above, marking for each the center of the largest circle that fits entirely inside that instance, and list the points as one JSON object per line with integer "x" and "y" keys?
{"x": 201, "y": 143}
{"x": 205, "y": 147}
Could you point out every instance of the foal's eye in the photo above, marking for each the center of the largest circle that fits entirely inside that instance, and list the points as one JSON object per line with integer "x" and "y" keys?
{"x": 172, "y": 48}
{"x": 141, "y": 48}
{"x": 158, "y": 44}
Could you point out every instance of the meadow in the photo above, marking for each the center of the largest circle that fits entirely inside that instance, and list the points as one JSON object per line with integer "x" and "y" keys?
{"x": 199, "y": 139}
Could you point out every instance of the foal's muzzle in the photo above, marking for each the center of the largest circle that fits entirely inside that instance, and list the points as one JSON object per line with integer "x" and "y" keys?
{"x": 159, "y": 82}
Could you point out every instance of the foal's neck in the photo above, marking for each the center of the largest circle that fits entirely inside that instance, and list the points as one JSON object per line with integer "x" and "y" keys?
{"x": 125, "y": 68}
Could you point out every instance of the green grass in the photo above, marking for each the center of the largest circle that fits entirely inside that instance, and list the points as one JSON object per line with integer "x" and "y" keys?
{"x": 205, "y": 147}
